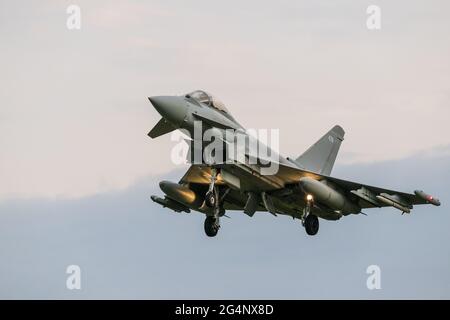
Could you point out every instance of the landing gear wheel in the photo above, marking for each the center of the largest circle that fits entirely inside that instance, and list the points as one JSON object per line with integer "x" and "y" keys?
{"x": 210, "y": 199}
{"x": 311, "y": 224}
{"x": 211, "y": 226}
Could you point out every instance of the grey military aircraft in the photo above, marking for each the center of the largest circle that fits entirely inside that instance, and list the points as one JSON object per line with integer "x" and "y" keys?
{"x": 301, "y": 188}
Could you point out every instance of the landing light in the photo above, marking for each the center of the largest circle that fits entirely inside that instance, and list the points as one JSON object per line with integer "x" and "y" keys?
{"x": 309, "y": 197}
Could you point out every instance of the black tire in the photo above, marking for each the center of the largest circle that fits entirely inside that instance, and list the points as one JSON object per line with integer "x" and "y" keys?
{"x": 211, "y": 228}
{"x": 311, "y": 224}
{"x": 210, "y": 199}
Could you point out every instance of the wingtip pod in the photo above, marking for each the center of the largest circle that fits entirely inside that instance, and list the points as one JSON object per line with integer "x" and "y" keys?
{"x": 428, "y": 198}
{"x": 339, "y": 131}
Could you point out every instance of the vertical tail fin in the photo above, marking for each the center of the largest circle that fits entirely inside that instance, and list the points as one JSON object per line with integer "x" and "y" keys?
{"x": 321, "y": 155}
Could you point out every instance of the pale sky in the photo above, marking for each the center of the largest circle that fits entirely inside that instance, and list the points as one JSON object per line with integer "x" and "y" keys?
{"x": 74, "y": 112}
{"x": 77, "y": 168}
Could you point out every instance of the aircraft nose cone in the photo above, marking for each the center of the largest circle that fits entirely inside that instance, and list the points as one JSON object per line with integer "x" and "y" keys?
{"x": 173, "y": 109}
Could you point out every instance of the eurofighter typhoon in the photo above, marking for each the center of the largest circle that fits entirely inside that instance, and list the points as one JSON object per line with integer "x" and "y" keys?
{"x": 224, "y": 178}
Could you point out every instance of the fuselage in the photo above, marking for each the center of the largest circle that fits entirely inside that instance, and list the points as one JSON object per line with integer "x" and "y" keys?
{"x": 195, "y": 117}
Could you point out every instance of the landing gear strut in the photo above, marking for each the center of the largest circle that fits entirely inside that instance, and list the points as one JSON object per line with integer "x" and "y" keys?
{"x": 212, "y": 194}
{"x": 212, "y": 200}
{"x": 310, "y": 221}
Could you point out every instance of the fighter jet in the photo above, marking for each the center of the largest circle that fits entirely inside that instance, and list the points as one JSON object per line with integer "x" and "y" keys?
{"x": 300, "y": 187}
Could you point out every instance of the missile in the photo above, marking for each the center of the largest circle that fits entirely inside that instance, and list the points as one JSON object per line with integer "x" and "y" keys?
{"x": 326, "y": 195}
{"x": 181, "y": 193}
{"x": 394, "y": 204}
{"x": 169, "y": 203}
{"x": 428, "y": 198}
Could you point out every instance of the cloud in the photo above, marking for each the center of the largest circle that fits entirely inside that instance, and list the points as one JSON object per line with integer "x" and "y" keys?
{"x": 129, "y": 247}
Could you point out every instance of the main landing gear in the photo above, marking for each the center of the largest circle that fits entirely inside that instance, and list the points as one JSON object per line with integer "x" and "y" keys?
{"x": 212, "y": 200}
{"x": 311, "y": 224}
{"x": 310, "y": 221}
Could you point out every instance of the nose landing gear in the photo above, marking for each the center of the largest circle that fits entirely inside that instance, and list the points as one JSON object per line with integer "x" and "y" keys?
{"x": 211, "y": 197}
{"x": 212, "y": 200}
{"x": 212, "y": 226}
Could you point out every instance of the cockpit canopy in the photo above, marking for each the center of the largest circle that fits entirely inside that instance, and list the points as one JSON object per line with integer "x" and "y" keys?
{"x": 207, "y": 99}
